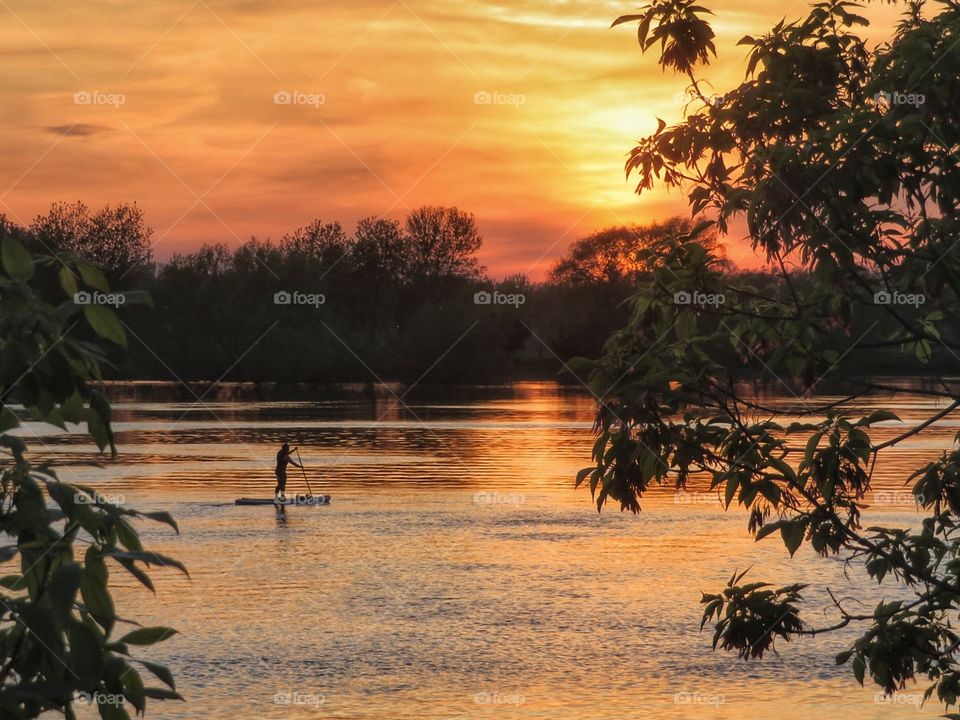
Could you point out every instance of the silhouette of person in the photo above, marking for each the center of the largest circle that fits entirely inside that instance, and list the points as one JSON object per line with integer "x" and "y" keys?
{"x": 284, "y": 457}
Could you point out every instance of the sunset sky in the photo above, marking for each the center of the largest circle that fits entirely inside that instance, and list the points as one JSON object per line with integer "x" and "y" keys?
{"x": 390, "y": 111}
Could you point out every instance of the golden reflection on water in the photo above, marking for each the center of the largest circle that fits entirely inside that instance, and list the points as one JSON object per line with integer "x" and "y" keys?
{"x": 456, "y": 574}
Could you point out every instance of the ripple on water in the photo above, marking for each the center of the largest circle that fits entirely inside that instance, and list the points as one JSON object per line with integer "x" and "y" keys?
{"x": 456, "y": 573}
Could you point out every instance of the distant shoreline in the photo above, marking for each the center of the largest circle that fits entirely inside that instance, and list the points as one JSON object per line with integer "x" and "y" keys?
{"x": 211, "y": 390}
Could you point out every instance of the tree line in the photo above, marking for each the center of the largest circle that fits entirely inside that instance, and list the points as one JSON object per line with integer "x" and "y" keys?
{"x": 392, "y": 300}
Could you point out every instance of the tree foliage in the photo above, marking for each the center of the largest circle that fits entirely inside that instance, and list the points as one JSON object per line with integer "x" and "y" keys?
{"x": 840, "y": 157}
{"x": 114, "y": 238}
{"x": 442, "y": 242}
{"x": 616, "y": 255}
{"x": 61, "y": 637}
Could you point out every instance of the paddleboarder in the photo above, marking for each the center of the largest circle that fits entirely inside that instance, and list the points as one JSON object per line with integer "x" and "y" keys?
{"x": 284, "y": 457}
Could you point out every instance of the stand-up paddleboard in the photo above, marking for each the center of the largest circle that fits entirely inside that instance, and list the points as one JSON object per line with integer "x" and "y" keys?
{"x": 289, "y": 500}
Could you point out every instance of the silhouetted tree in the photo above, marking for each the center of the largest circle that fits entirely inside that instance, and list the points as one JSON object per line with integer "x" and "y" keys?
{"x": 319, "y": 245}
{"x": 116, "y": 238}
{"x": 441, "y": 243}
{"x": 612, "y": 256}
{"x": 379, "y": 250}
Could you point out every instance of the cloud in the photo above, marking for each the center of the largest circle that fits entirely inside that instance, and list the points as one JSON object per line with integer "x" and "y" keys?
{"x": 76, "y": 129}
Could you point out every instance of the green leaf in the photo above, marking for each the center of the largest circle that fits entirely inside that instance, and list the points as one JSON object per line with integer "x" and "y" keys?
{"x": 812, "y": 447}
{"x": 8, "y": 419}
{"x": 12, "y": 582}
{"x": 133, "y": 688}
{"x": 62, "y": 590}
{"x": 147, "y": 635}
{"x": 105, "y": 323}
{"x": 137, "y": 572}
{"x": 686, "y": 325}
{"x": 859, "y": 667}
{"x": 732, "y": 484}
{"x": 792, "y": 532}
{"x": 150, "y": 558}
{"x": 164, "y": 517}
{"x": 784, "y": 468}
{"x": 93, "y": 276}
{"x": 875, "y": 417}
{"x": 93, "y": 589}
{"x": 771, "y": 491}
{"x": 68, "y": 280}
{"x": 625, "y": 19}
{"x": 582, "y": 474}
{"x": 86, "y": 655}
{"x": 16, "y": 446}
{"x": 17, "y": 260}
{"x": 162, "y": 694}
{"x": 768, "y": 529}
{"x": 127, "y": 535}
{"x": 161, "y": 671}
{"x": 98, "y": 421}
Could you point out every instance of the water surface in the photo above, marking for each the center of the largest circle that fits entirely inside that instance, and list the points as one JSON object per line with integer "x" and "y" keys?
{"x": 457, "y": 574}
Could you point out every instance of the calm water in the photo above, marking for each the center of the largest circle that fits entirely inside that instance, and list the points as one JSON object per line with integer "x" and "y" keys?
{"x": 457, "y": 574}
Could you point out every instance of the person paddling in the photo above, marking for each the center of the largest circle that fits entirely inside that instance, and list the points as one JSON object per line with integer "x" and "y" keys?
{"x": 284, "y": 457}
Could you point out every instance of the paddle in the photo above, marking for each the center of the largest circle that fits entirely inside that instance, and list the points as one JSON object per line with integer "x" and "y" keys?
{"x": 300, "y": 462}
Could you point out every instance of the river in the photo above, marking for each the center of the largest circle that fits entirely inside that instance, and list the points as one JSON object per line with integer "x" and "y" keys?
{"x": 456, "y": 573}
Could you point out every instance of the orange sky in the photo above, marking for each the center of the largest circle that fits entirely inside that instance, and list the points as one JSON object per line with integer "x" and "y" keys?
{"x": 387, "y": 114}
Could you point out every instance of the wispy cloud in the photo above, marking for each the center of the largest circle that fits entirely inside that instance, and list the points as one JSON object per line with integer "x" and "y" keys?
{"x": 79, "y": 129}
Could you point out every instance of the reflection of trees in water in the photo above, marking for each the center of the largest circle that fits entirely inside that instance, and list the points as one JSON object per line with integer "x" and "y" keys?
{"x": 452, "y": 438}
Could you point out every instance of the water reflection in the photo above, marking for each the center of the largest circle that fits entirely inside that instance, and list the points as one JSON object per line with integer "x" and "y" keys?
{"x": 456, "y": 573}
